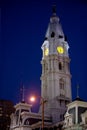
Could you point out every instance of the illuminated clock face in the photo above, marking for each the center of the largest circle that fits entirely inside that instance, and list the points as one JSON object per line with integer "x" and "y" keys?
{"x": 60, "y": 50}
{"x": 46, "y": 52}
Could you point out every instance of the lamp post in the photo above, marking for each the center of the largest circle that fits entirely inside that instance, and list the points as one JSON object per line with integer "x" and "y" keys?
{"x": 42, "y": 103}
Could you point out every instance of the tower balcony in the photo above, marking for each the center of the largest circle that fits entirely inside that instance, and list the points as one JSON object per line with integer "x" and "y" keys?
{"x": 62, "y": 97}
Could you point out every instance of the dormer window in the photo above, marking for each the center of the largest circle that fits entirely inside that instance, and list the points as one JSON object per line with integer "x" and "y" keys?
{"x": 60, "y": 36}
{"x": 65, "y": 38}
{"x": 52, "y": 34}
{"x": 45, "y": 38}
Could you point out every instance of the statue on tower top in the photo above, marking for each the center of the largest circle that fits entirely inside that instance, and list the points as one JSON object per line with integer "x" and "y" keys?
{"x": 54, "y": 10}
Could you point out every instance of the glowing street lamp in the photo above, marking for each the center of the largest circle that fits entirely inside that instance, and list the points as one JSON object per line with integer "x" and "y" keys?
{"x": 32, "y": 99}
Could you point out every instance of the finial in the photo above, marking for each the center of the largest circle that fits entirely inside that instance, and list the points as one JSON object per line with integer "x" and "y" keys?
{"x": 77, "y": 90}
{"x": 54, "y": 9}
{"x": 22, "y": 94}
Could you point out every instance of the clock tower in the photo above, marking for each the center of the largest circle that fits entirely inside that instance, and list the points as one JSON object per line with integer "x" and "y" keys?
{"x": 56, "y": 77}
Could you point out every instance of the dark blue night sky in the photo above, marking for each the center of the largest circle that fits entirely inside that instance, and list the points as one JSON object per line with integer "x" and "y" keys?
{"x": 23, "y": 27}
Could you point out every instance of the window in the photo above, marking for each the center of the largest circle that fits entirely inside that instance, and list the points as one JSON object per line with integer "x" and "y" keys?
{"x": 86, "y": 120}
{"x": 61, "y": 66}
{"x": 61, "y": 83}
{"x": 60, "y": 36}
{"x": 62, "y": 87}
{"x": 61, "y": 117}
{"x": 27, "y": 122}
{"x": 60, "y": 102}
{"x": 52, "y": 34}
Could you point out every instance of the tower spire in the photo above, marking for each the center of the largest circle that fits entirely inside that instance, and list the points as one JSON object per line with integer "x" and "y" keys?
{"x": 77, "y": 90}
